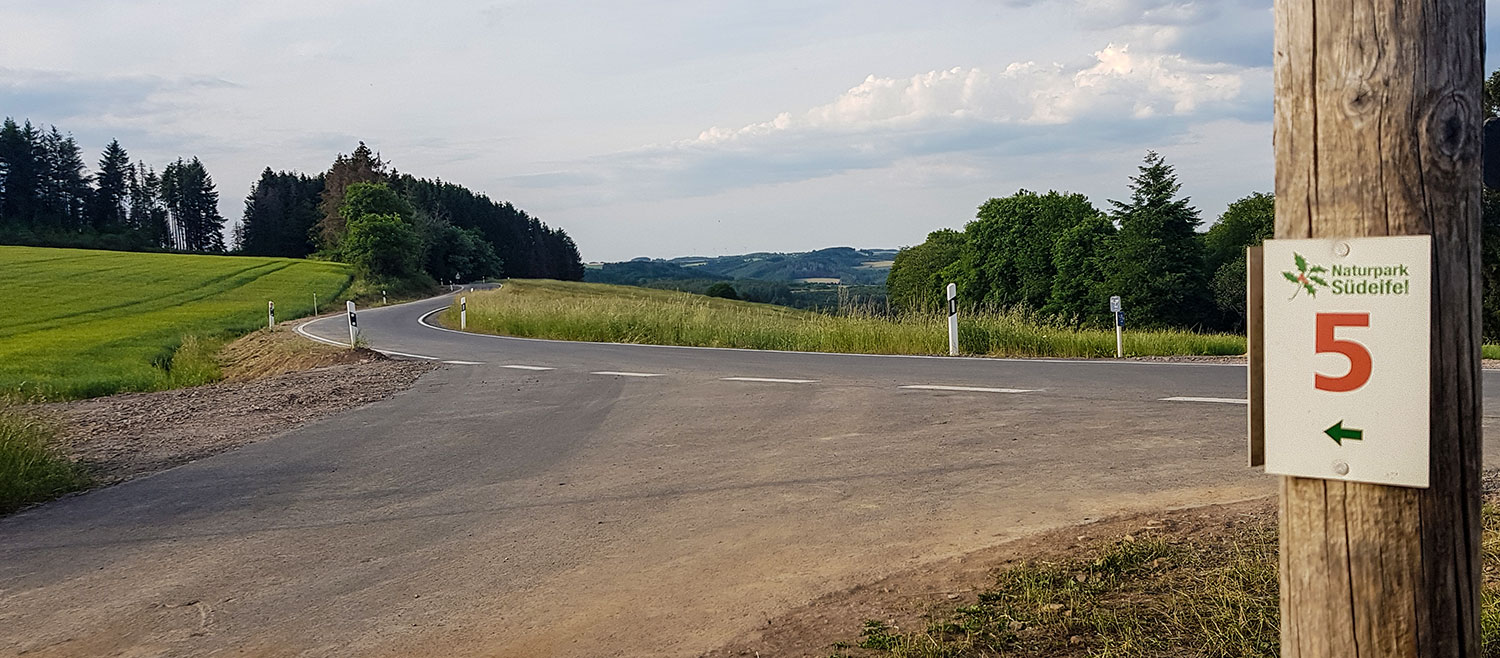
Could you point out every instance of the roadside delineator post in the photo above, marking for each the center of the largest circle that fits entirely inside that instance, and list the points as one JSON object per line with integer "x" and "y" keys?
{"x": 1117, "y": 309}
{"x": 382, "y": 298}
{"x": 1377, "y": 125}
{"x": 353, "y": 324}
{"x": 952, "y": 319}
{"x": 315, "y": 303}
{"x": 463, "y": 312}
{"x": 270, "y": 315}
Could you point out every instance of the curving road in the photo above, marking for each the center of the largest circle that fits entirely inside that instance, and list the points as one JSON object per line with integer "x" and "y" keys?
{"x": 541, "y": 498}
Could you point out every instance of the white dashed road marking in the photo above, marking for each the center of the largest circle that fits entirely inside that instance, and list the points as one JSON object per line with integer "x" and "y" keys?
{"x": 769, "y": 380}
{"x": 1218, "y": 400}
{"x": 520, "y": 367}
{"x": 971, "y": 389}
{"x": 465, "y": 363}
{"x": 627, "y": 374}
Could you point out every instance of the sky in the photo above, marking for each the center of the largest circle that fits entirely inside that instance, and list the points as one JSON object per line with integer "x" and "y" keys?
{"x": 667, "y": 129}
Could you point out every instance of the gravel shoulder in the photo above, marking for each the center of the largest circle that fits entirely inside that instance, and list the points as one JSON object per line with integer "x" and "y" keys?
{"x": 274, "y": 382}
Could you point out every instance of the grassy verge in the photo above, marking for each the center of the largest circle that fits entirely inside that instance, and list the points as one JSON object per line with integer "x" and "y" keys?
{"x": 598, "y": 312}
{"x": 31, "y": 468}
{"x": 1214, "y": 596}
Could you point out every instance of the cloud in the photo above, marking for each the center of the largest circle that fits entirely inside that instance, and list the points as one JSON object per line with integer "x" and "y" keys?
{"x": 963, "y": 115}
{"x": 58, "y": 95}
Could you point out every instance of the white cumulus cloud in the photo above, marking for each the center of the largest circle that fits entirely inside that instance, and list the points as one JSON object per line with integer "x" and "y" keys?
{"x": 1117, "y": 83}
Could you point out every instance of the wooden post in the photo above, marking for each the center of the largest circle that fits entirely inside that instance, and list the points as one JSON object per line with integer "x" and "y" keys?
{"x": 1377, "y": 121}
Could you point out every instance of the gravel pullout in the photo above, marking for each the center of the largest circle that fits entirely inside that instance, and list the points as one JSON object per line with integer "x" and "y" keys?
{"x": 120, "y": 437}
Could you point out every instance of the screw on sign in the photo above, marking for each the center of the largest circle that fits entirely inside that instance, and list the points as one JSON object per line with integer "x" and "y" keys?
{"x": 1346, "y": 359}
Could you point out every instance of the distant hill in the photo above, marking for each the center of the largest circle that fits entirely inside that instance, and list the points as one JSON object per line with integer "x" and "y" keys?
{"x": 844, "y": 265}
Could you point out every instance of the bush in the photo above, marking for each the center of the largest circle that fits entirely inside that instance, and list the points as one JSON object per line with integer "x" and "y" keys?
{"x": 721, "y": 290}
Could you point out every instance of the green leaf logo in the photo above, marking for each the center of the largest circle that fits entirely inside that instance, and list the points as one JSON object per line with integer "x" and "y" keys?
{"x": 1306, "y": 278}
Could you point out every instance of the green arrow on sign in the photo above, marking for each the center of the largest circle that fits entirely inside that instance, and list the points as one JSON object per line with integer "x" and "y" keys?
{"x": 1339, "y": 434}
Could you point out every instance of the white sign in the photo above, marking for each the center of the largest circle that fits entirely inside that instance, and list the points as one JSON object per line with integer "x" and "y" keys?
{"x": 1347, "y": 339}
{"x": 1114, "y": 304}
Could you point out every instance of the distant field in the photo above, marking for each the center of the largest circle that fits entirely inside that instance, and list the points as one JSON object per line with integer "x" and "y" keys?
{"x": 625, "y": 314}
{"x": 85, "y": 323}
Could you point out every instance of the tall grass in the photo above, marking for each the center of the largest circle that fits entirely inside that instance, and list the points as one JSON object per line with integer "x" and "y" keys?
{"x": 605, "y": 313}
{"x": 31, "y": 468}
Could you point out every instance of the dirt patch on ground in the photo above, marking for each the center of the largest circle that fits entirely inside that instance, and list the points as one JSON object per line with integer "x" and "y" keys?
{"x": 275, "y": 381}
{"x": 270, "y": 353}
{"x": 907, "y": 600}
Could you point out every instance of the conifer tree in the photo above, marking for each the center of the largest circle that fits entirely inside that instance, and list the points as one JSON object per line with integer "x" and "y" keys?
{"x": 110, "y": 209}
{"x": 20, "y": 189}
{"x": 361, "y": 166}
{"x": 1156, "y": 264}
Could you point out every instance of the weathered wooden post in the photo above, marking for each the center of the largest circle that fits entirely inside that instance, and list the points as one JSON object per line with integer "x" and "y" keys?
{"x": 1377, "y": 132}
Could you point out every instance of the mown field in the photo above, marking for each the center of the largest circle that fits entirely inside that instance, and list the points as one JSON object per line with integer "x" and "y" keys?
{"x": 624, "y": 314}
{"x": 87, "y": 323}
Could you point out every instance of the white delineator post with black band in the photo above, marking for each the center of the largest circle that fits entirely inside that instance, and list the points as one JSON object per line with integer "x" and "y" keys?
{"x": 353, "y": 324}
{"x": 270, "y": 315}
{"x": 1377, "y": 128}
{"x": 952, "y": 319}
{"x": 1114, "y": 307}
{"x": 463, "y": 313}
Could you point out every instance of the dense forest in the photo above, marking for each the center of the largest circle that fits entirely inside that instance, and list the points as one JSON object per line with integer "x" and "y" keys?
{"x": 48, "y": 197}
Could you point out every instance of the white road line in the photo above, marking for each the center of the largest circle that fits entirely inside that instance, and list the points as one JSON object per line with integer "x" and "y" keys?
{"x": 305, "y": 334}
{"x": 520, "y": 367}
{"x": 971, "y": 389}
{"x": 626, "y": 374}
{"x": 1218, "y": 400}
{"x": 465, "y": 363}
{"x": 409, "y": 356}
{"x": 769, "y": 380}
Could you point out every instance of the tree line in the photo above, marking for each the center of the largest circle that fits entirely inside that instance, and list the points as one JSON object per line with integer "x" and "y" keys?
{"x": 1058, "y": 255}
{"x": 49, "y": 197}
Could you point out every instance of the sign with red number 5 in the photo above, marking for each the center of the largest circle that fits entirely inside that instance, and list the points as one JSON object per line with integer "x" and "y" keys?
{"x": 1347, "y": 338}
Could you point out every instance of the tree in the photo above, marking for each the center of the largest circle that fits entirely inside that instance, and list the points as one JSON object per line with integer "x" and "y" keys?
{"x": 1245, "y": 223}
{"x": 361, "y": 166}
{"x": 280, "y": 215}
{"x": 20, "y": 157}
{"x": 362, "y": 199}
{"x": 192, "y": 205}
{"x": 110, "y": 208}
{"x": 1156, "y": 262}
{"x": 64, "y": 186}
{"x": 1080, "y": 257}
{"x": 915, "y": 283}
{"x": 147, "y": 216}
{"x": 382, "y": 247}
{"x": 1491, "y": 97}
{"x": 1007, "y": 258}
{"x": 721, "y": 290}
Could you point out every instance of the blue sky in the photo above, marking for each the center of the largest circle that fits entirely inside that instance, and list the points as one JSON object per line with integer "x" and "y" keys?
{"x": 674, "y": 128}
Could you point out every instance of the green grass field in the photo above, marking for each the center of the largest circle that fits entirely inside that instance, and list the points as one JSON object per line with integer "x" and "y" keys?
{"x": 87, "y": 323}
{"x": 608, "y": 313}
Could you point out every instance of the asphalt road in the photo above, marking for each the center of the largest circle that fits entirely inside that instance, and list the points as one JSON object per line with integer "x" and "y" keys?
{"x": 540, "y": 498}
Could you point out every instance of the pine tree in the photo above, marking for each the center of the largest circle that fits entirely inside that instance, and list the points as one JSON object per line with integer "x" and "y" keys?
{"x": 64, "y": 186}
{"x": 147, "y": 216}
{"x": 281, "y": 215}
{"x": 20, "y": 192}
{"x": 362, "y": 166}
{"x": 1156, "y": 264}
{"x": 193, "y": 207}
{"x": 111, "y": 194}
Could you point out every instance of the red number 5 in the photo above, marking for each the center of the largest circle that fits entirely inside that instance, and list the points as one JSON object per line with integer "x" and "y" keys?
{"x": 1359, "y": 357}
